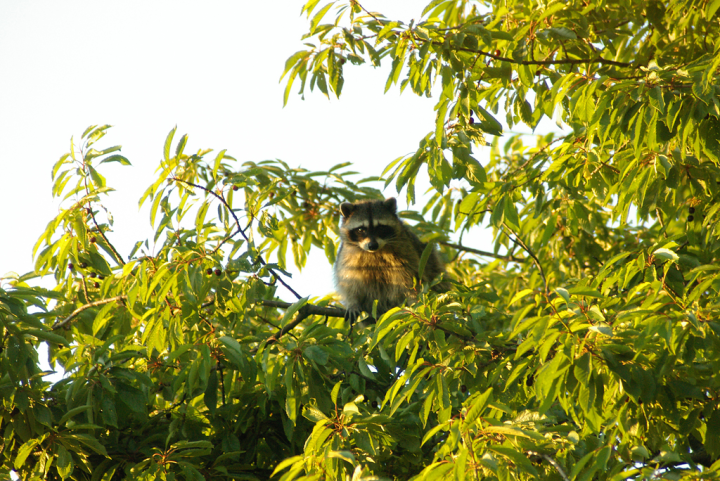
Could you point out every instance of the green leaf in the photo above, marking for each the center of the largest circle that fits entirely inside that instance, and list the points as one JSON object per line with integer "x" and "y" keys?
{"x": 46, "y": 336}
{"x": 516, "y": 457}
{"x": 585, "y": 292}
{"x": 478, "y": 405}
{"x": 334, "y": 393}
{"x": 489, "y": 124}
{"x": 319, "y": 16}
{"x": 72, "y": 413}
{"x": 711, "y": 8}
{"x": 64, "y": 461}
{"x": 510, "y": 213}
{"x": 562, "y": 33}
{"x": 285, "y": 463}
{"x": 551, "y": 9}
{"x": 712, "y": 443}
{"x": 563, "y": 293}
{"x": 601, "y": 328}
{"x": 98, "y": 180}
{"x": 216, "y": 163}
{"x": 180, "y": 147}
{"x": 26, "y": 449}
{"x": 432, "y": 432}
{"x": 440, "y": 122}
{"x": 168, "y": 144}
{"x": 290, "y": 312}
{"x": 520, "y": 295}
{"x": 427, "y": 251}
{"x": 211, "y": 392}
{"x": 666, "y": 255}
{"x": 317, "y": 354}
{"x": 116, "y": 158}
{"x": 346, "y": 456}
{"x": 596, "y": 315}
{"x": 109, "y": 411}
{"x": 313, "y": 414}
{"x": 365, "y": 370}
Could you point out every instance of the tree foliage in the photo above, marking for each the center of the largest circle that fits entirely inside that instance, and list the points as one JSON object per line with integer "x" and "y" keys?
{"x": 588, "y": 346}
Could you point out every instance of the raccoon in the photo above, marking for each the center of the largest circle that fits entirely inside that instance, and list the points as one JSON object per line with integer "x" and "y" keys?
{"x": 379, "y": 258}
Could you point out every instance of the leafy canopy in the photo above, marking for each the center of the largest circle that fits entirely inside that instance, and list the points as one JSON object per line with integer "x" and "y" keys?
{"x": 587, "y": 347}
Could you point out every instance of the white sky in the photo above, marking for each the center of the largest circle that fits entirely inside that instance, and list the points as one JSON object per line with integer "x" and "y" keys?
{"x": 211, "y": 68}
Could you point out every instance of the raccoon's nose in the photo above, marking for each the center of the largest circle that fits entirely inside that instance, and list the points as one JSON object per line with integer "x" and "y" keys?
{"x": 373, "y": 245}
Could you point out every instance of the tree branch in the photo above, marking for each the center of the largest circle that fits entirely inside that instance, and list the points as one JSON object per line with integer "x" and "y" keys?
{"x": 355, "y": 2}
{"x": 304, "y": 312}
{"x": 534, "y": 156}
{"x": 517, "y": 240}
{"x": 77, "y": 311}
{"x": 241, "y": 231}
{"x": 566, "y": 61}
{"x": 311, "y": 309}
{"x": 118, "y": 258}
{"x": 554, "y": 463}
{"x": 107, "y": 241}
{"x": 481, "y": 253}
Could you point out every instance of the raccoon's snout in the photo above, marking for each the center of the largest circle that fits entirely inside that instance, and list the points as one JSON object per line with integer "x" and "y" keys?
{"x": 371, "y": 244}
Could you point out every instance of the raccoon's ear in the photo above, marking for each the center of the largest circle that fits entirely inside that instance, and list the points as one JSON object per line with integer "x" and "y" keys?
{"x": 346, "y": 208}
{"x": 390, "y": 204}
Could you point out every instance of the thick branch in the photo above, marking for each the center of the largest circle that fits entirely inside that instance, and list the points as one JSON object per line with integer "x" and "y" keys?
{"x": 77, "y": 311}
{"x": 311, "y": 309}
{"x": 481, "y": 253}
{"x": 241, "y": 231}
{"x": 304, "y": 312}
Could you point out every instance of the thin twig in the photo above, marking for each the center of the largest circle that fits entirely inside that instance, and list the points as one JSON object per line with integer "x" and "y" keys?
{"x": 102, "y": 234}
{"x": 80, "y": 309}
{"x": 221, "y": 199}
{"x": 517, "y": 240}
{"x": 534, "y": 156}
{"x": 222, "y": 381}
{"x": 481, "y": 253}
{"x": 566, "y": 61}
{"x": 554, "y": 463}
{"x": 242, "y": 232}
{"x": 89, "y": 210}
{"x": 435, "y": 325}
{"x": 302, "y": 314}
{"x": 369, "y": 13}
{"x": 606, "y": 165}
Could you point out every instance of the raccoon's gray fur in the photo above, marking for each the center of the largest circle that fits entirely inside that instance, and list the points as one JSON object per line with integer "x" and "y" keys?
{"x": 378, "y": 258}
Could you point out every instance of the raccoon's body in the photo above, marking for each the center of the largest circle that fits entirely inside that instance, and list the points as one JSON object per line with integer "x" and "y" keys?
{"x": 379, "y": 258}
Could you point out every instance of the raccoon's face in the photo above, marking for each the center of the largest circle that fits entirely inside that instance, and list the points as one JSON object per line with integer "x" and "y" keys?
{"x": 369, "y": 225}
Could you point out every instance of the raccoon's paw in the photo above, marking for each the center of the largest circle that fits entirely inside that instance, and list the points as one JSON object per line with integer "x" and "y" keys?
{"x": 358, "y": 318}
{"x": 351, "y": 316}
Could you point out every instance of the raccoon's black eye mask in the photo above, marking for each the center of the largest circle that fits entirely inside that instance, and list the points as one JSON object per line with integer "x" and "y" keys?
{"x": 384, "y": 231}
{"x": 380, "y": 230}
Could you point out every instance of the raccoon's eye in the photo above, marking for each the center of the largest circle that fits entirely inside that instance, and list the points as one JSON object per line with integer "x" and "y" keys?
{"x": 384, "y": 231}
{"x": 360, "y": 231}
